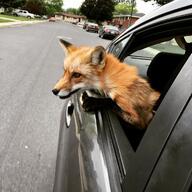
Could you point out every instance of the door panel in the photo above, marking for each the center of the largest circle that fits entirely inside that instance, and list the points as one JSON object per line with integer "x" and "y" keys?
{"x": 175, "y": 163}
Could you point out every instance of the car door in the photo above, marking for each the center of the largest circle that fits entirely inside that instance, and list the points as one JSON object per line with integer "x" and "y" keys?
{"x": 94, "y": 151}
{"x": 22, "y": 13}
{"x": 138, "y": 164}
{"x": 67, "y": 173}
{"x": 84, "y": 160}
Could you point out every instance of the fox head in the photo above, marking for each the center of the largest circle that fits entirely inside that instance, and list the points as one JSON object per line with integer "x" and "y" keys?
{"x": 82, "y": 69}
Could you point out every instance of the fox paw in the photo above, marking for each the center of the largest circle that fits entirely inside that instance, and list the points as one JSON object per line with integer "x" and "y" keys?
{"x": 88, "y": 103}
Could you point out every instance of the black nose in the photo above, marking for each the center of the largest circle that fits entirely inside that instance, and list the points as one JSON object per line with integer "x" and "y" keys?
{"x": 55, "y": 91}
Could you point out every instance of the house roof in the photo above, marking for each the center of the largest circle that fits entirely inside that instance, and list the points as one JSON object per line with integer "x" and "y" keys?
{"x": 70, "y": 15}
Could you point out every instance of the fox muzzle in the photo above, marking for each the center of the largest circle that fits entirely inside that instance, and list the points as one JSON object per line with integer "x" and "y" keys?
{"x": 64, "y": 94}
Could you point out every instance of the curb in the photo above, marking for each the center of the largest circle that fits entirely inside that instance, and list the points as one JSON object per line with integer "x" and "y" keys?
{"x": 20, "y": 23}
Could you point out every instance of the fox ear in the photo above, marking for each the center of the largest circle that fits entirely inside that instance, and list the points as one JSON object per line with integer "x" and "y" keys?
{"x": 68, "y": 47}
{"x": 98, "y": 56}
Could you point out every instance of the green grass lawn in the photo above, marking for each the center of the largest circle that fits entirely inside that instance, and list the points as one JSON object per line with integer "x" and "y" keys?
{"x": 16, "y": 17}
{"x": 4, "y": 21}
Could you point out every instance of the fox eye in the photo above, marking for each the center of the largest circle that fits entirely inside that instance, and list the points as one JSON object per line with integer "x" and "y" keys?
{"x": 76, "y": 75}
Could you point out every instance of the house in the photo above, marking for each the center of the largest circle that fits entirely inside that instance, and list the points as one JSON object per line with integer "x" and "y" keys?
{"x": 125, "y": 21}
{"x": 2, "y": 9}
{"x": 70, "y": 17}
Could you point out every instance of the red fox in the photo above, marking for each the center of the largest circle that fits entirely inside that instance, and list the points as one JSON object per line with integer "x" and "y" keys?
{"x": 93, "y": 68}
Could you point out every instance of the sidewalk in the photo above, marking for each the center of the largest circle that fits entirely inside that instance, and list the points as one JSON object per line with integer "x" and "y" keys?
{"x": 19, "y": 23}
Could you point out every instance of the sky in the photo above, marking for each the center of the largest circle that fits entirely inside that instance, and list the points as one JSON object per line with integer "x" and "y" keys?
{"x": 142, "y": 7}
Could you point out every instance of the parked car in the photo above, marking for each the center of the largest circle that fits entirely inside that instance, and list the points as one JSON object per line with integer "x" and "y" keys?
{"x": 100, "y": 152}
{"x": 74, "y": 22}
{"x": 80, "y": 24}
{"x": 108, "y": 31}
{"x": 38, "y": 16}
{"x": 23, "y": 13}
{"x": 85, "y": 24}
{"x": 52, "y": 19}
{"x": 44, "y": 17}
{"x": 92, "y": 27}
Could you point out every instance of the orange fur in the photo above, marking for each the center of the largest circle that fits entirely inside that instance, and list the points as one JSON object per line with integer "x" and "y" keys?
{"x": 93, "y": 68}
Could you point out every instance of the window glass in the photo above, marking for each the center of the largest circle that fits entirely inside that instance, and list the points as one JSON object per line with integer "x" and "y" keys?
{"x": 119, "y": 46}
{"x": 142, "y": 58}
{"x": 188, "y": 39}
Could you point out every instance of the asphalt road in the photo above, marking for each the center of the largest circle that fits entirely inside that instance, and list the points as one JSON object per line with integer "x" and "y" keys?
{"x": 31, "y": 62}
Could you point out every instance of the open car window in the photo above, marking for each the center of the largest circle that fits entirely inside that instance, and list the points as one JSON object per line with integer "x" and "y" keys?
{"x": 159, "y": 63}
{"x": 142, "y": 58}
{"x": 117, "y": 48}
{"x": 188, "y": 39}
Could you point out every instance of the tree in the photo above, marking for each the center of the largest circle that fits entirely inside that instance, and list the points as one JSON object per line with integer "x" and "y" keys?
{"x": 12, "y": 3}
{"x": 98, "y": 10}
{"x": 53, "y": 6}
{"x": 18, "y": 3}
{"x": 73, "y": 11}
{"x": 5, "y": 3}
{"x": 39, "y": 7}
{"x": 36, "y": 6}
{"x": 160, "y": 2}
{"x": 125, "y": 8}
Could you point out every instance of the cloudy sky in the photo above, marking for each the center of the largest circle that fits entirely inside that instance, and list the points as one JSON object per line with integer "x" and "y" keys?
{"x": 142, "y": 6}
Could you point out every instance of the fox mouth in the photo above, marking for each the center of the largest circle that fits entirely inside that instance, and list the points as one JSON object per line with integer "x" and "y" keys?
{"x": 65, "y": 94}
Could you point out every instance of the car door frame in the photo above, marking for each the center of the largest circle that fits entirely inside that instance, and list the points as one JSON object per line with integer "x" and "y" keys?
{"x": 144, "y": 170}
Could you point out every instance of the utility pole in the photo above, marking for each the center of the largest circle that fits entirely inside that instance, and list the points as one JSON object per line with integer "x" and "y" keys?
{"x": 132, "y": 5}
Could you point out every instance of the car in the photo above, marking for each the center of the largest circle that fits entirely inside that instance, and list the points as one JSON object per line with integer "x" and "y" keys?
{"x": 85, "y": 24}
{"x": 52, "y": 19}
{"x": 44, "y": 17}
{"x": 92, "y": 27}
{"x": 23, "y": 13}
{"x": 38, "y": 16}
{"x": 108, "y": 31}
{"x": 74, "y": 22}
{"x": 80, "y": 24}
{"x": 100, "y": 152}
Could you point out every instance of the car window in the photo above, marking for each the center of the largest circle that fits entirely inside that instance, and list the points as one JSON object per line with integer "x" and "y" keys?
{"x": 137, "y": 142}
{"x": 117, "y": 49}
{"x": 188, "y": 39}
{"x": 138, "y": 152}
{"x": 142, "y": 58}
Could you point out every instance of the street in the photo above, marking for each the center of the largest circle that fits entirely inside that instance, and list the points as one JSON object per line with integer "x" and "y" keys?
{"x": 31, "y": 61}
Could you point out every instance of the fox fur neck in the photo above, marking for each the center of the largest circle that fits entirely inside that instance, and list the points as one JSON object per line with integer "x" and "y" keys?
{"x": 116, "y": 76}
